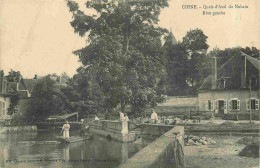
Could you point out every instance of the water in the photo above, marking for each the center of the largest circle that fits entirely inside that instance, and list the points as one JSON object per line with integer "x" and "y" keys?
{"x": 20, "y": 150}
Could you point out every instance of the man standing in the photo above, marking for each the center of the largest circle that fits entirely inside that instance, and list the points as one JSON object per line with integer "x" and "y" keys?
{"x": 154, "y": 117}
{"x": 82, "y": 127}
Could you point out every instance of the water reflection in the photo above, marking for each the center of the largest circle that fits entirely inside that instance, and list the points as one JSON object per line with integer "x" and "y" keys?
{"x": 22, "y": 151}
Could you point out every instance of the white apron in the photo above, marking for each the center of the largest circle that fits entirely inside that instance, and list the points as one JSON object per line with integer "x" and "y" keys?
{"x": 66, "y": 133}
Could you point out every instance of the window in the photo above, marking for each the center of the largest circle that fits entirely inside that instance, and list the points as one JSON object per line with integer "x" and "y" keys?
{"x": 210, "y": 105}
{"x": 2, "y": 108}
{"x": 254, "y": 104}
{"x": 234, "y": 104}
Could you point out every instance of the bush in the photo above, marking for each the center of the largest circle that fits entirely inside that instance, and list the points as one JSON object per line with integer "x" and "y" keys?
{"x": 19, "y": 120}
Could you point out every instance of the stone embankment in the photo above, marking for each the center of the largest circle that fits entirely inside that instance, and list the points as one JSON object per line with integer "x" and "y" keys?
{"x": 165, "y": 151}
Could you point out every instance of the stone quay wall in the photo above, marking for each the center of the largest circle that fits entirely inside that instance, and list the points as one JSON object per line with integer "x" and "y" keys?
{"x": 115, "y": 129}
{"x": 166, "y": 151}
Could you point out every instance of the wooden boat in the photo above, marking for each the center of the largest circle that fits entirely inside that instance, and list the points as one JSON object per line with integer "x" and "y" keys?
{"x": 40, "y": 142}
{"x": 73, "y": 139}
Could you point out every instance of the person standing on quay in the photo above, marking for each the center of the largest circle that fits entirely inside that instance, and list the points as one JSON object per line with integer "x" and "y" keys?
{"x": 125, "y": 117}
{"x": 82, "y": 127}
{"x": 121, "y": 116}
{"x": 65, "y": 129}
{"x": 154, "y": 117}
{"x": 96, "y": 117}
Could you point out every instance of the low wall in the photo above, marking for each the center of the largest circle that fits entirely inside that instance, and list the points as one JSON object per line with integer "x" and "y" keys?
{"x": 166, "y": 151}
{"x": 224, "y": 128}
{"x": 175, "y": 110}
{"x": 154, "y": 131}
{"x": 180, "y": 101}
{"x": 150, "y": 132}
{"x": 115, "y": 129}
{"x": 17, "y": 129}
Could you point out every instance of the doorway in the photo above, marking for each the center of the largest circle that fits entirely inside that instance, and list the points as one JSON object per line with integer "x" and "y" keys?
{"x": 221, "y": 106}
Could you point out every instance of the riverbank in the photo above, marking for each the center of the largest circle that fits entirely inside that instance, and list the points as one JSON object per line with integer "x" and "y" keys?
{"x": 17, "y": 129}
{"x": 218, "y": 126}
{"x": 223, "y": 154}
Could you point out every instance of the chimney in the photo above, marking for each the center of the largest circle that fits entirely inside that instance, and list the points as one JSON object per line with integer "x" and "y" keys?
{"x": 243, "y": 72}
{"x": 17, "y": 86}
{"x": 1, "y": 82}
{"x": 213, "y": 73}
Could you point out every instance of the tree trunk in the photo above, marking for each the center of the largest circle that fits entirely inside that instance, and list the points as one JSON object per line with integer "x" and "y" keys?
{"x": 127, "y": 44}
{"x": 122, "y": 106}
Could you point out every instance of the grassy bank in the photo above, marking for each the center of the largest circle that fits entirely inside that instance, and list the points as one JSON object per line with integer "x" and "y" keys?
{"x": 223, "y": 154}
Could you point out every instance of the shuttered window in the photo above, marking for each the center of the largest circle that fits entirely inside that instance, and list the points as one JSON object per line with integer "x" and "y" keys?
{"x": 225, "y": 105}
{"x": 216, "y": 104}
{"x": 206, "y": 105}
{"x": 210, "y": 105}
{"x": 3, "y": 108}
{"x": 229, "y": 105}
{"x": 257, "y": 104}
{"x": 247, "y": 104}
{"x": 234, "y": 104}
{"x": 254, "y": 104}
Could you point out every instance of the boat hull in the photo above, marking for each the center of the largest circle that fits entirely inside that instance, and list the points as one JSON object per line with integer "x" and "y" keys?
{"x": 73, "y": 139}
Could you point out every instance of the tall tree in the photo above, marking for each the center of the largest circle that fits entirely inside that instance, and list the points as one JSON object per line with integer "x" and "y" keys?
{"x": 176, "y": 66}
{"x": 123, "y": 51}
{"x": 13, "y": 76}
{"x": 195, "y": 41}
{"x": 196, "y": 45}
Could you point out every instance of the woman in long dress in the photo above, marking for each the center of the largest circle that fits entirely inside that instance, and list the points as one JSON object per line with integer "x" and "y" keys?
{"x": 65, "y": 129}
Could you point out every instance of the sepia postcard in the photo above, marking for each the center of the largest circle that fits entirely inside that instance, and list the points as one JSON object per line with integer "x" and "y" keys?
{"x": 129, "y": 83}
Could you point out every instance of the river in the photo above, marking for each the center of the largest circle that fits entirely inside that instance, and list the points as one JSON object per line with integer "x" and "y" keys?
{"x": 22, "y": 150}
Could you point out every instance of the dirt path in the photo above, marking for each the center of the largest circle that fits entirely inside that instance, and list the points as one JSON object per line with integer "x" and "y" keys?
{"x": 222, "y": 155}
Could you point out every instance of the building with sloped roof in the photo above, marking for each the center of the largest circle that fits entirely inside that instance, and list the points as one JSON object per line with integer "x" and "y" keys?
{"x": 4, "y": 97}
{"x": 232, "y": 88}
{"x": 24, "y": 88}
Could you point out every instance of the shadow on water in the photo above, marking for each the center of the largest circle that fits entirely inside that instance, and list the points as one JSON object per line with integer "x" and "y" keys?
{"x": 19, "y": 150}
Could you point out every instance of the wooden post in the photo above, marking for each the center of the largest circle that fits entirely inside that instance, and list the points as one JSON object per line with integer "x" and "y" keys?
{"x": 176, "y": 161}
{"x": 250, "y": 112}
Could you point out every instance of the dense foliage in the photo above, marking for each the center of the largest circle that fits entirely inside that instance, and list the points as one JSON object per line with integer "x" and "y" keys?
{"x": 123, "y": 54}
{"x": 187, "y": 63}
{"x": 48, "y": 100}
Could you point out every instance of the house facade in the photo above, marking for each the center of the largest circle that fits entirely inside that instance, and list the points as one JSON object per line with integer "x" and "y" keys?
{"x": 4, "y": 97}
{"x": 232, "y": 88}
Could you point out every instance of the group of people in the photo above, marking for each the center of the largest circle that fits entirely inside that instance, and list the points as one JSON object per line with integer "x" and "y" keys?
{"x": 123, "y": 117}
{"x": 153, "y": 119}
{"x": 66, "y": 127}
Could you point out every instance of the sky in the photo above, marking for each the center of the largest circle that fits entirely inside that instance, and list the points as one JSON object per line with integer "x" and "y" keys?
{"x": 36, "y": 36}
